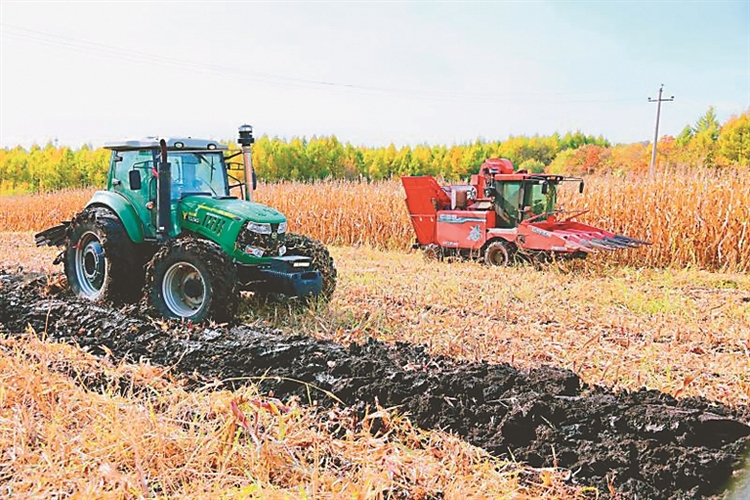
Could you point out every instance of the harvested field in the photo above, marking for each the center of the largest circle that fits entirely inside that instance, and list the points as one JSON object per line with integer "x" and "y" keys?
{"x": 632, "y": 382}
{"x": 639, "y": 444}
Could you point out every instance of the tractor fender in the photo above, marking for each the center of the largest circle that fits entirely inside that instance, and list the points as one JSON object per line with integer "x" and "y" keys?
{"x": 124, "y": 211}
{"x": 508, "y": 235}
{"x": 509, "y": 241}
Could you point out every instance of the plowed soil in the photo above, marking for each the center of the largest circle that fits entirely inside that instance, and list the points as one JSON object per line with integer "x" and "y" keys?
{"x": 642, "y": 444}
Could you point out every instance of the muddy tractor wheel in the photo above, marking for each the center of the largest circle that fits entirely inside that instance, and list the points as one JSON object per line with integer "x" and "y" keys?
{"x": 192, "y": 279}
{"x": 322, "y": 261}
{"x": 497, "y": 253}
{"x": 99, "y": 258}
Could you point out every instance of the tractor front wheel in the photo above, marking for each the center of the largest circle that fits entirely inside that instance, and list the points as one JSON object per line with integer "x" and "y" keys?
{"x": 192, "y": 279}
{"x": 497, "y": 254}
{"x": 99, "y": 258}
{"x": 322, "y": 261}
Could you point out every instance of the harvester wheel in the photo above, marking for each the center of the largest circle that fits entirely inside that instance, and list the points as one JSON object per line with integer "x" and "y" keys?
{"x": 192, "y": 279}
{"x": 497, "y": 254}
{"x": 297, "y": 244}
{"x": 432, "y": 252}
{"x": 100, "y": 259}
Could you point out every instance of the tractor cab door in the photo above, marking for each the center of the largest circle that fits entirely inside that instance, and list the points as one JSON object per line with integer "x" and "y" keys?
{"x": 125, "y": 165}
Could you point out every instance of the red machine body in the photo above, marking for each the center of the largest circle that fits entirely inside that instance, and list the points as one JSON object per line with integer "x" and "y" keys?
{"x": 501, "y": 214}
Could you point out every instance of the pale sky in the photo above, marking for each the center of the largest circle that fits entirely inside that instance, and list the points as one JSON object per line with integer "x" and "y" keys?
{"x": 372, "y": 73}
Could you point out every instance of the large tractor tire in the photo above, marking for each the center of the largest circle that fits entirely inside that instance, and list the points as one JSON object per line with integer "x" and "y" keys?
{"x": 100, "y": 259}
{"x": 498, "y": 253}
{"x": 322, "y": 261}
{"x": 194, "y": 280}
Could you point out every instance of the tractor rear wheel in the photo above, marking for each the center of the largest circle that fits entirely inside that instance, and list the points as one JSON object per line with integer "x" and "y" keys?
{"x": 497, "y": 253}
{"x": 99, "y": 258}
{"x": 296, "y": 244}
{"x": 192, "y": 279}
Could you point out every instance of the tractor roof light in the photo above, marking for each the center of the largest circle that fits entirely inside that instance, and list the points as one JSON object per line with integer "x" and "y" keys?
{"x": 246, "y": 135}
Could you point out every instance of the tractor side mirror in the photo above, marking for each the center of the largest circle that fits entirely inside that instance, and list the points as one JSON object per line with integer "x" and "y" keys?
{"x": 255, "y": 181}
{"x": 134, "y": 176}
{"x": 580, "y": 187}
{"x": 545, "y": 187}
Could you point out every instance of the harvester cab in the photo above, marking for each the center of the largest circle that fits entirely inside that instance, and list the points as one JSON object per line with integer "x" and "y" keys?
{"x": 501, "y": 215}
{"x": 167, "y": 227}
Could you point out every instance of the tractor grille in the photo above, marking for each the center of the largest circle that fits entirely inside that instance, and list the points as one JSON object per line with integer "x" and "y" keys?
{"x": 268, "y": 243}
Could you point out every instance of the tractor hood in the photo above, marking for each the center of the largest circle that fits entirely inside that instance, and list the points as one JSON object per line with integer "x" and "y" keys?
{"x": 194, "y": 207}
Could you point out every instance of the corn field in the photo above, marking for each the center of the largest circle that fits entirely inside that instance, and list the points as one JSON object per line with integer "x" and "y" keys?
{"x": 695, "y": 218}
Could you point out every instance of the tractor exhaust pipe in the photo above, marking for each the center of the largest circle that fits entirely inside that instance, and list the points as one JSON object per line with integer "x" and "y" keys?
{"x": 163, "y": 195}
{"x": 245, "y": 140}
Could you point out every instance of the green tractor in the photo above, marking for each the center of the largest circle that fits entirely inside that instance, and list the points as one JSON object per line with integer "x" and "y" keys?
{"x": 167, "y": 230}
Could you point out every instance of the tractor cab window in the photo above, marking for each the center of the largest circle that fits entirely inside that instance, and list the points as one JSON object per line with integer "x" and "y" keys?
{"x": 197, "y": 173}
{"x": 125, "y": 161}
{"x": 540, "y": 203}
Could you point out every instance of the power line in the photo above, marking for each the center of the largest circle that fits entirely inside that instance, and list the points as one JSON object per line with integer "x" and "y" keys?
{"x": 109, "y": 51}
{"x": 658, "y": 102}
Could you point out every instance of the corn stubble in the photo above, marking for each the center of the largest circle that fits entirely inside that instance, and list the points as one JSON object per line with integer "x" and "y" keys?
{"x": 681, "y": 331}
{"x": 73, "y": 426}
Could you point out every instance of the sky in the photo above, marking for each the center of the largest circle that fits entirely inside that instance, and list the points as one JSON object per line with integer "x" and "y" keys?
{"x": 370, "y": 73}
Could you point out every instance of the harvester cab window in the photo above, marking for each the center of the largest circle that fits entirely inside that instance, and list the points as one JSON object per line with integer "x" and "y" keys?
{"x": 539, "y": 202}
{"x": 507, "y": 203}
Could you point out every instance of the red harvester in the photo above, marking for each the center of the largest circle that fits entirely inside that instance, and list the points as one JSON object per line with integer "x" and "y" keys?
{"x": 502, "y": 215}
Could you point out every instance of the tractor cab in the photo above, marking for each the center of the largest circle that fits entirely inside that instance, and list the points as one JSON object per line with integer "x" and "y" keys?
{"x": 197, "y": 168}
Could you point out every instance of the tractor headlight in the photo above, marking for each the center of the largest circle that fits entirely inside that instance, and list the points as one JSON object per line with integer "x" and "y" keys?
{"x": 282, "y": 250}
{"x": 259, "y": 228}
{"x": 282, "y": 228}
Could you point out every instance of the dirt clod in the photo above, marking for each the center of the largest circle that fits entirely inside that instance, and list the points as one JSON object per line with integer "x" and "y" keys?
{"x": 643, "y": 444}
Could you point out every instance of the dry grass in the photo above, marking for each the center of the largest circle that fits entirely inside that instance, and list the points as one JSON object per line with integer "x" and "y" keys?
{"x": 695, "y": 218}
{"x": 59, "y": 439}
{"x": 344, "y": 213}
{"x": 684, "y": 332}
{"x": 680, "y": 332}
{"x": 36, "y": 212}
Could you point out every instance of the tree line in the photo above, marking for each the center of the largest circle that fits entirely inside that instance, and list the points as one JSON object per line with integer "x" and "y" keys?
{"x": 704, "y": 144}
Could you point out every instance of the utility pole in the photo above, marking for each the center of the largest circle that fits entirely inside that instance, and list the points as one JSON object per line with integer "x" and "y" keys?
{"x": 658, "y": 102}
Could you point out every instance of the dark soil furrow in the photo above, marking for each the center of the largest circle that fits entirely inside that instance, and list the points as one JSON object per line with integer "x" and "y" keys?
{"x": 644, "y": 444}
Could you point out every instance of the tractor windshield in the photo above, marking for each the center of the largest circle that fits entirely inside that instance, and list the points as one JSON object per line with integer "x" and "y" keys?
{"x": 197, "y": 173}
